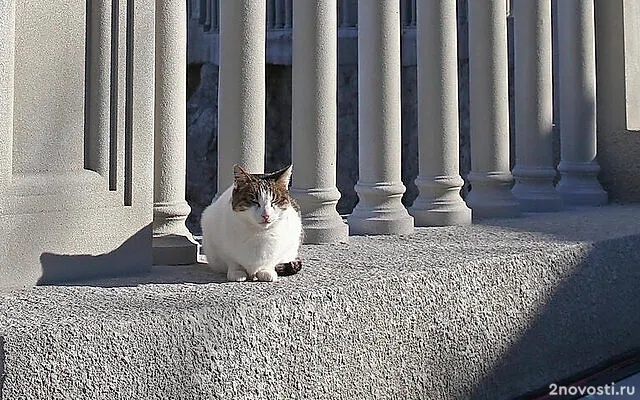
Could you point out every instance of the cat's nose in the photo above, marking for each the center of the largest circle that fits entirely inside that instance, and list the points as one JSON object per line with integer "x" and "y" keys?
{"x": 266, "y": 217}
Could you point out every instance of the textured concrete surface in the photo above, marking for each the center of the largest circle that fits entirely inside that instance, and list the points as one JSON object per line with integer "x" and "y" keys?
{"x": 617, "y": 155}
{"x": 486, "y": 311}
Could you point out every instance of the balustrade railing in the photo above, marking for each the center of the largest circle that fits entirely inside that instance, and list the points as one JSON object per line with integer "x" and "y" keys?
{"x": 242, "y": 40}
{"x": 280, "y": 13}
{"x": 204, "y": 21}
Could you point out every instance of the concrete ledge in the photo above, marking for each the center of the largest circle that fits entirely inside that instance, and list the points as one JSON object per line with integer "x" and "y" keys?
{"x": 486, "y": 311}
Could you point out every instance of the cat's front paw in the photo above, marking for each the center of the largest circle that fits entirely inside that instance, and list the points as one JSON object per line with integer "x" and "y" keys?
{"x": 265, "y": 275}
{"x": 236, "y": 276}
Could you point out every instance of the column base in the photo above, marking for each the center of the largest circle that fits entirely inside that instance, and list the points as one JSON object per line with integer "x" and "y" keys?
{"x": 174, "y": 250}
{"x": 490, "y": 195}
{"x": 324, "y": 232}
{"x": 380, "y": 225}
{"x": 321, "y": 222}
{"x": 439, "y": 202}
{"x": 579, "y": 184}
{"x": 380, "y": 211}
{"x": 442, "y": 215}
{"x": 534, "y": 189}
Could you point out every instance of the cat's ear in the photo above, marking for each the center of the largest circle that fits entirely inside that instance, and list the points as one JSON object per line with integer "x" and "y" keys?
{"x": 283, "y": 177}
{"x": 240, "y": 176}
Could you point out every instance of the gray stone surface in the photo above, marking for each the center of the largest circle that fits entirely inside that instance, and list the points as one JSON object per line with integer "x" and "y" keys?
{"x": 486, "y": 311}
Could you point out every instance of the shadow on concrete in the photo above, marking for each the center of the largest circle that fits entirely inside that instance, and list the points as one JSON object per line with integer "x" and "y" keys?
{"x": 592, "y": 316}
{"x": 131, "y": 257}
{"x": 198, "y": 274}
{"x": 128, "y": 265}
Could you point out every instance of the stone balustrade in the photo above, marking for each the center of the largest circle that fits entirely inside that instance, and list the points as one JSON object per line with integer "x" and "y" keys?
{"x": 243, "y": 33}
{"x": 204, "y": 17}
{"x": 110, "y": 101}
{"x": 280, "y": 13}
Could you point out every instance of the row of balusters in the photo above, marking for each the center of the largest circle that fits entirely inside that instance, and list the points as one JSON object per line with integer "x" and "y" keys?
{"x": 280, "y": 13}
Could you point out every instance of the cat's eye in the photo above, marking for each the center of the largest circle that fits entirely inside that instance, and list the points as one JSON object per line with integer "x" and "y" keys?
{"x": 279, "y": 203}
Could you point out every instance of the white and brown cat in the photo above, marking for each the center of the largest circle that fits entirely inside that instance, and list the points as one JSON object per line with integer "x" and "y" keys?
{"x": 253, "y": 230}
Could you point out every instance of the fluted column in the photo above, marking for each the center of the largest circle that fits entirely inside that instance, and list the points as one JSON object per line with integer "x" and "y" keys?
{"x": 379, "y": 187}
{"x": 534, "y": 171}
{"x": 241, "y": 90}
{"x": 172, "y": 242}
{"x": 490, "y": 178}
{"x": 99, "y": 82}
{"x": 577, "y": 69}
{"x": 439, "y": 182}
{"x": 314, "y": 120}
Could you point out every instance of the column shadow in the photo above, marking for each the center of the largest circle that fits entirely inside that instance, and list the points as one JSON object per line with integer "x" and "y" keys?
{"x": 128, "y": 265}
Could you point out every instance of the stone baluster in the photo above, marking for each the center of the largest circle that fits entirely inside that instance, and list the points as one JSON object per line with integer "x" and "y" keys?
{"x": 379, "y": 187}
{"x": 279, "y": 13}
{"x": 345, "y": 10}
{"x": 288, "y": 13}
{"x": 172, "y": 242}
{"x": 413, "y": 7}
{"x": 577, "y": 80}
{"x": 490, "y": 177}
{"x": 314, "y": 120}
{"x": 271, "y": 17}
{"x": 439, "y": 182}
{"x": 534, "y": 171}
{"x": 241, "y": 91}
{"x": 7, "y": 58}
{"x": 215, "y": 18}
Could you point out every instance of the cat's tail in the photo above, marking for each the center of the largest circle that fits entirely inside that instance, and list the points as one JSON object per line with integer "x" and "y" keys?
{"x": 289, "y": 268}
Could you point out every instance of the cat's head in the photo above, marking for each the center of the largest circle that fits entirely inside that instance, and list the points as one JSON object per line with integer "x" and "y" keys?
{"x": 261, "y": 198}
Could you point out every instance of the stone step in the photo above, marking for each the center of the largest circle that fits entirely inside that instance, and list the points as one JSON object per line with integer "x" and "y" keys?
{"x": 487, "y": 311}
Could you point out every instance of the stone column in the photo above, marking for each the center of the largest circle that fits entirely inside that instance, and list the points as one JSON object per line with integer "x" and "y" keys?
{"x": 314, "y": 119}
{"x": 490, "y": 178}
{"x": 439, "y": 202}
{"x": 7, "y": 51}
{"x": 534, "y": 171}
{"x": 172, "y": 242}
{"x": 241, "y": 89}
{"x": 379, "y": 188}
{"x": 577, "y": 68}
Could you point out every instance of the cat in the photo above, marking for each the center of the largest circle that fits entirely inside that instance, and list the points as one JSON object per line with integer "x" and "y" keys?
{"x": 253, "y": 231}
